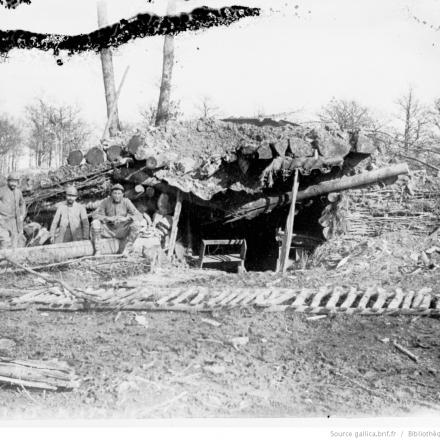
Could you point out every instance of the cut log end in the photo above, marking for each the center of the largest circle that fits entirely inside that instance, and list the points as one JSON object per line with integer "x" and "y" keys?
{"x": 75, "y": 158}
{"x": 114, "y": 153}
{"x": 95, "y": 156}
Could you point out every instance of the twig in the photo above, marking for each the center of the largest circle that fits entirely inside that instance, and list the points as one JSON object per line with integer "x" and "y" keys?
{"x": 61, "y": 263}
{"x": 403, "y": 350}
{"x": 47, "y": 279}
{"x": 420, "y": 161}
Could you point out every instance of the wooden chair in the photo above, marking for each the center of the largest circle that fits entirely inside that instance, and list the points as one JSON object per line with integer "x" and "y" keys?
{"x": 228, "y": 259}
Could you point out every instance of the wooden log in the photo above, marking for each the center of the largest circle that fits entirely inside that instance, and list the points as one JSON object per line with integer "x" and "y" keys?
{"x": 75, "y": 158}
{"x": 403, "y": 350}
{"x": 114, "y": 153}
{"x": 267, "y": 204}
{"x": 55, "y": 253}
{"x": 134, "y": 143}
{"x": 139, "y": 189}
{"x": 50, "y": 375}
{"x": 151, "y": 163}
{"x": 95, "y": 156}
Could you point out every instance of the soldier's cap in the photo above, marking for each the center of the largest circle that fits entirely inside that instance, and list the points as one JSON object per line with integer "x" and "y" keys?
{"x": 13, "y": 176}
{"x": 118, "y": 186}
{"x": 71, "y": 191}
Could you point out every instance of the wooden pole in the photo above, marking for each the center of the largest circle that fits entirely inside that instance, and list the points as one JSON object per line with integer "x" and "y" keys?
{"x": 287, "y": 239}
{"x": 269, "y": 203}
{"x": 174, "y": 226}
{"x": 107, "y": 71}
{"x": 114, "y": 108}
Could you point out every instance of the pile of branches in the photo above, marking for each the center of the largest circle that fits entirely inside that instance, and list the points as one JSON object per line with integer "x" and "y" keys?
{"x": 411, "y": 204}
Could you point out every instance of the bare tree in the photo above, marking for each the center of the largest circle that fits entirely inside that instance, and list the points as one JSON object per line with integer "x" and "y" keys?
{"x": 163, "y": 106}
{"x": 10, "y": 144}
{"x": 347, "y": 115}
{"x": 207, "y": 108}
{"x": 415, "y": 121}
{"x": 107, "y": 72}
{"x": 55, "y": 130}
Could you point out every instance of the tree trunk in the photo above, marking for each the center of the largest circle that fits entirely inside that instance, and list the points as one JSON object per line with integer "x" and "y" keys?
{"x": 55, "y": 253}
{"x": 269, "y": 203}
{"x": 107, "y": 72}
{"x": 163, "y": 107}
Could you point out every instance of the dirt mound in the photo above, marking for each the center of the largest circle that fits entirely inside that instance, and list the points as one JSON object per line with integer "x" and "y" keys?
{"x": 201, "y": 139}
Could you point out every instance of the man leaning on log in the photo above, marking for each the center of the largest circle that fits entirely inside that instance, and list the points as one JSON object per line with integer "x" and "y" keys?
{"x": 12, "y": 214}
{"x": 116, "y": 217}
{"x": 70, "y": 222}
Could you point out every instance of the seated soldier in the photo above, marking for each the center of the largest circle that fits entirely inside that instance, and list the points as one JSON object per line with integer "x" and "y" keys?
{"x": 70, "y": 222}
{"x": 116, "y": 217}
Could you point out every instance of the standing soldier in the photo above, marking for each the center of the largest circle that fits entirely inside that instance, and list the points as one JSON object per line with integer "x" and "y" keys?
{"x": 116, "y": 217}
{"x": 12, "y": 213}
{"x": 70, "y": 222}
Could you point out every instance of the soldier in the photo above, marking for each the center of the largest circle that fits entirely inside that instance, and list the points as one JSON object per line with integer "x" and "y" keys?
{"x": 116, "y": 217}
{"x": 12, "y": 213}
{"x": 70, "y": 222}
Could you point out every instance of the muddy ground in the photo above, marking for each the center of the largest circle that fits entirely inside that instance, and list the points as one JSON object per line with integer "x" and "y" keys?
{"x": 179, "y": 365}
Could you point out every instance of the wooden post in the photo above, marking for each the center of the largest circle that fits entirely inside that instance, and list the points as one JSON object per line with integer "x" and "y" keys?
{"x": 114, "y": 108}
{"x": 107, "y": 71}
{"x": 174, "y": 226}
{"x": 287, "y": 238}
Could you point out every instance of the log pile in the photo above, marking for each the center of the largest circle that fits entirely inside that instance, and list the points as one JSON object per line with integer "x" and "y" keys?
{"x": 49, "y": 375}
{"x": 202, "y": 157}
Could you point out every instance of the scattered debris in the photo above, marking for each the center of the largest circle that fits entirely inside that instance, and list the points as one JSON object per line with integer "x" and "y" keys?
{"x": 239, "y": 341}
{"x": 141, "y": 320}
{"x": 214, "y": 369}
{"x": 50, "y": 375}
{"x": 211, "y": 322}
{"x": 316, "y": 317}
{"x": 405, "y": 351}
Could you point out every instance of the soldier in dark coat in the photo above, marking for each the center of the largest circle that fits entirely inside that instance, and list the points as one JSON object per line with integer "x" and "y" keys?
{"x": 12, "y": 213}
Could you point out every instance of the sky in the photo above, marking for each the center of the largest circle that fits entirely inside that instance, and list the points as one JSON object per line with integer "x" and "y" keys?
{"x": 291, "y": 59}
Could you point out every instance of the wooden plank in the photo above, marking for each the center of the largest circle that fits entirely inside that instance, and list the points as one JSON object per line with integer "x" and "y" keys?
{"x": 334, "y": 297}
{"x": 418, "y": 298}
{"x": 201, "y": 295}
{"x": 223, "y": 258}
{"x": 408, "y": 300}
{"x": 351, "y": 296}
{"x": 174, "y": 227}
{"x": 426, "y": 301}
{"x": 366, "y": 297}
{"x": 300, "y": 299}
{"x": 381, "y": 298}
{"x": 395, "y": 302}
{"x": 285, "y": 248}
{"x": 318, "y": 297}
